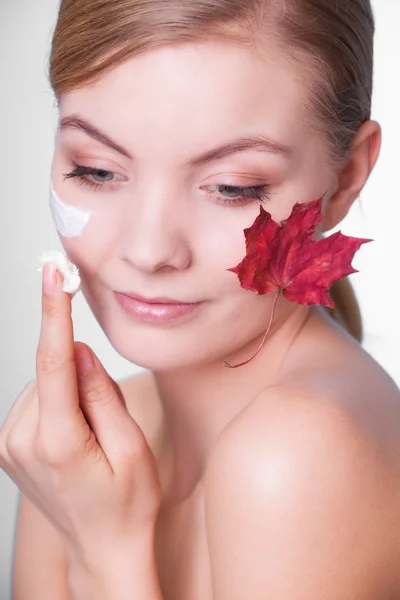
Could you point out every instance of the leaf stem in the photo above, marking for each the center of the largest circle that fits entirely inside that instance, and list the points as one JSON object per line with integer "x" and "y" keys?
{"x": 264, "y": 338}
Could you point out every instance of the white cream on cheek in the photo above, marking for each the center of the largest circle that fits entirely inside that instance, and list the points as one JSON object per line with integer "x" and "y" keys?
{"x": 69, "y": 220}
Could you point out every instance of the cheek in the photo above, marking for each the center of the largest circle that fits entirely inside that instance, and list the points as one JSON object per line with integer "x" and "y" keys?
{"x": 87, "y": 234}
{"x": 225, "y": 242}
{"x": 223, "y": 248}
{"x": 90, "y": 250}
{"x": 69, "y": 220}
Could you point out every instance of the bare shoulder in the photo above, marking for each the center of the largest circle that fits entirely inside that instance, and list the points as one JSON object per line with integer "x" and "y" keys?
{"x": 330, "y": 392}
{"x": 312, "y": 462}
{"x": 331, "y": 377}
{"x": 355, "y": 403}
{"x": 329, "y": 381}
{"x": 349, "y": 407}
{"x": 303, "y": 501}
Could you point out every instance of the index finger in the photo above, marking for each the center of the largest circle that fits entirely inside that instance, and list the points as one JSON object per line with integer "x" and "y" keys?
{"x": 55, "y": 364}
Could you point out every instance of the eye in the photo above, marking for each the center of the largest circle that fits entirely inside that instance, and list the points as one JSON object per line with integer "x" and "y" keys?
{"x": 233, "y": 195}
{"x": 240, "y": 195}
{"x": 101, "y": 177}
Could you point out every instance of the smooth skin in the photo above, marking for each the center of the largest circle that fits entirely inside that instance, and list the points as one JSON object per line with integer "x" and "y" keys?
{"x": 280, "y": 479}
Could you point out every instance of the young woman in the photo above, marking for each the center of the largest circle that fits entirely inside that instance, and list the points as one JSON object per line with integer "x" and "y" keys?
{"x": 277, "y": 479}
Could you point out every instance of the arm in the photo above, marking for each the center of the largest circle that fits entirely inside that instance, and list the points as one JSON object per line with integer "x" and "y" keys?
{"x": 301, "y": 506}
{"x": 40, "y": 565}
{"x": 124, "y": 575}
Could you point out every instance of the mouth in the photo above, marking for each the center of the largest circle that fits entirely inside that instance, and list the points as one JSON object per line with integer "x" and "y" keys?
{"x": 157, "y": 300}
{"x": 154, "y": 310}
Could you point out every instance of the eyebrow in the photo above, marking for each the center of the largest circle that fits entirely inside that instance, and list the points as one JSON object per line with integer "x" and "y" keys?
{"x": 259, "y": 143}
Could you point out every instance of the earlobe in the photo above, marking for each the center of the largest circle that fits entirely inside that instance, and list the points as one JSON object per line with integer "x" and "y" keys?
{"x": 354, "y": 175}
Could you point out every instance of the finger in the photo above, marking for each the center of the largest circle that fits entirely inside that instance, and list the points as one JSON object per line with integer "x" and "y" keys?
{"x": 23, "y": 432}
{"x": 104, "y": 407}
{"x": 17, "y": 407}
{"x": 19, "y": 431}
{"x": 55, "y": 364}
{"x": 12, "y": 418}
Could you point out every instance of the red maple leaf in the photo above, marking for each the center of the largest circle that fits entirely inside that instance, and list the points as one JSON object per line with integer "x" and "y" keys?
{"x": 284, "y": 257}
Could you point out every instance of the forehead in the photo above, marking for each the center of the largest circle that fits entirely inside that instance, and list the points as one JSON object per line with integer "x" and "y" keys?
{"x": 194, "y": 91}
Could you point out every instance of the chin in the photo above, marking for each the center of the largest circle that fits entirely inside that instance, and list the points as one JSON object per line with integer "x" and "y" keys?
{"x": 162, "y": 352}
{"x": 156, "y": 347}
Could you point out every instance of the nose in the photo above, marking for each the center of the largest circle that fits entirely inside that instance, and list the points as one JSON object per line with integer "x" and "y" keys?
{"x": 155, "y": 236}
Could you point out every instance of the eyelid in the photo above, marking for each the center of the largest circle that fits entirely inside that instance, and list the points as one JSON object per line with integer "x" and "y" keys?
{"x": 237, "y": 179}
{"x": 105, "y": 163}
{"x": 76, "y": 149}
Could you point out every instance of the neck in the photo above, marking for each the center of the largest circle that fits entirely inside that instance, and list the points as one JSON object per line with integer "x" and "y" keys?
{"x": 199, "y": 402}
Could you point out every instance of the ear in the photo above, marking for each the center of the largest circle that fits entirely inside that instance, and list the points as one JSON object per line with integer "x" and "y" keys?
{"x": 350, "y": 180}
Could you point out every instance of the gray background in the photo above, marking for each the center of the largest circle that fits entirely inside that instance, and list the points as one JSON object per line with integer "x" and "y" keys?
{"x": 28, "y": 120}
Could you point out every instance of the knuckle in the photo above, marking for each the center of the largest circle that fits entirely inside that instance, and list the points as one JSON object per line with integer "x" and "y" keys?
{"x": 50, "y": 454}
{"x": 52, "y": 308}
{"x": 137, "y": 446}
{"x": 54, "y": 452}
{"x": 49, "y": 361}
{"x": 17, "y": 446}
{"x": 98, "y": 392}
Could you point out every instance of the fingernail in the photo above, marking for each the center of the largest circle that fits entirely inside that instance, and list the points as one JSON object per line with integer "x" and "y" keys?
{"x": 49, "y": 278}
{"x": 85, "y": 361}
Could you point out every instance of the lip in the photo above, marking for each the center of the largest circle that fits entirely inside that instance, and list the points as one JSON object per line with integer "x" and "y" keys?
{"x": 154, "y": 300}
{"x": 154, "y": 312}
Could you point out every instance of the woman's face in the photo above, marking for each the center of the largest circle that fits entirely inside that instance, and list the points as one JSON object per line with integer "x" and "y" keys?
{"x": 166, "y": 221}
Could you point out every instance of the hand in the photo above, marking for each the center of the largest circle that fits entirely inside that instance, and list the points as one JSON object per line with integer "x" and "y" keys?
{"x": 71, "y": 446}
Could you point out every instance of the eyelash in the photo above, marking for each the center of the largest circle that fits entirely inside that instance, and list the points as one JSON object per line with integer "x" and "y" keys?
{"x": 257, "y": 192}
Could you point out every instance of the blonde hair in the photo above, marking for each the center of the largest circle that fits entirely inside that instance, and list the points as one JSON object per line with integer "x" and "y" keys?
{"x": 329, "y": 41}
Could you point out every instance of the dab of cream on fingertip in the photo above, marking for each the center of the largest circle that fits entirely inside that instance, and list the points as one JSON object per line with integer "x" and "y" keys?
{"x": 70, "y": 272}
